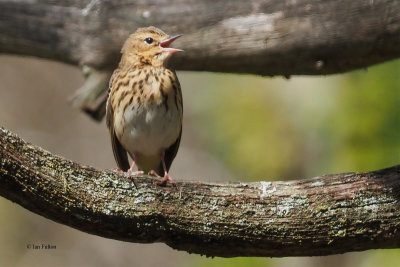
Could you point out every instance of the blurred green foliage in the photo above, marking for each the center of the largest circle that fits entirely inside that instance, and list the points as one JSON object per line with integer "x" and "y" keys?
{"x": 248, "y": 128}
{"x": 365, "y": 129}
{"x": 382, "y": 258}
{"x": 271, "y": 128}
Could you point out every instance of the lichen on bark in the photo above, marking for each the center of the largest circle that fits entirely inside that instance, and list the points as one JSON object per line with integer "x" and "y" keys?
{"x": 320, "y": 216}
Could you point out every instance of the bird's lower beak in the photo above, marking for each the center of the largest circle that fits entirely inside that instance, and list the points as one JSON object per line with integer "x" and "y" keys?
{"x": 166, "y": 43}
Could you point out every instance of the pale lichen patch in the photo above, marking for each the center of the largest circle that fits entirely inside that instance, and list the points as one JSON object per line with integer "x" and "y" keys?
{"x": 144, "y": 199}
{"x": 89, "y": 7}
{"x": 266, "y": 189}
{"x": 286, "y": 206}
{"x": 252, "y": 23}
{"x": 318, "y": 183}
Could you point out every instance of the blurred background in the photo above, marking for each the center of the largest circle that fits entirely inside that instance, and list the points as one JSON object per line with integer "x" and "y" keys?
{"x": 236, "y": 127}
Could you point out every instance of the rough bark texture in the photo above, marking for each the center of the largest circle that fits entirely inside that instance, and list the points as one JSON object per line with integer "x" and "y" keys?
{"x": 261, "y": 37}
{"x": 320, "y": 216}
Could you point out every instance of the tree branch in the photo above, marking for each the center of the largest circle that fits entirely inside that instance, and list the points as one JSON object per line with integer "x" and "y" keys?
{"x": 320, "y": 216}
{"x": 268, "y": 38}
{"x": 273, "y": 38}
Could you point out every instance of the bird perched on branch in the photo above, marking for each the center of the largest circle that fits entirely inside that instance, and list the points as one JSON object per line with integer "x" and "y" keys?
{"x": 144, "y": 106}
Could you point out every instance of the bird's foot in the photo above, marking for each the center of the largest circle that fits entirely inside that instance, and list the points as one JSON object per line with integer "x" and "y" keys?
{"x": 164, "y": 179}
{"x": 131, "y": 172}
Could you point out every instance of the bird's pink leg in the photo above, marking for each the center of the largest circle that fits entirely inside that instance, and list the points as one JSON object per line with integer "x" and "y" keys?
{"x": 130, "y": 171}
{"x": 166, "y": 175}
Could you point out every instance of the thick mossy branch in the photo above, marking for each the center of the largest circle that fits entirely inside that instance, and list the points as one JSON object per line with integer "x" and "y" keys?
{"x": 320, "y": 216}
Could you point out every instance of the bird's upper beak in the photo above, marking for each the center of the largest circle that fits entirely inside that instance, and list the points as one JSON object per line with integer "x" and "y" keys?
{"x": 166, "y": 43}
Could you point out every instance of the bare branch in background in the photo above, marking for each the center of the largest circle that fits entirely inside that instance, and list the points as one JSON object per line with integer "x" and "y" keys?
{"x": 257, "y": 37}
{"x": 325, "y": 215}
{"x": 267, "y": 38}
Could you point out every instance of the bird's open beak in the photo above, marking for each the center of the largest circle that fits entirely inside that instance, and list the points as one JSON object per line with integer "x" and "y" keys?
{"x": 166, "y": 43}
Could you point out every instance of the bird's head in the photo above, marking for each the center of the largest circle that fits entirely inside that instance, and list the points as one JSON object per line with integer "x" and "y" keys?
{"x": 148, "y": 46}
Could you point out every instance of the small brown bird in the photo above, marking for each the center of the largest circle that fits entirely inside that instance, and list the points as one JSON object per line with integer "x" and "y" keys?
{"x": 144, "y": 106}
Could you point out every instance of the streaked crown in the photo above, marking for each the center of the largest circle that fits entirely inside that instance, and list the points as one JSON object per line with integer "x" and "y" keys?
{"x": 148, "y": 45}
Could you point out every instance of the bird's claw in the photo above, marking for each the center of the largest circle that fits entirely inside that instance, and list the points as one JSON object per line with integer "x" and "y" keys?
{"x": 164, "y": 179}
{"x": 131, "y": 172}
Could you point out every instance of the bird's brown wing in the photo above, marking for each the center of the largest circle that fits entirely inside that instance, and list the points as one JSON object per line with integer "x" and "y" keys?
{"x": 120, "y": 154}
{"x": 170, "y": 154}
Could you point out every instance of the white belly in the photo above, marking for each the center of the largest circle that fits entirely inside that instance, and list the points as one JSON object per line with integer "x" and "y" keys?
{"x": 151, "y": 131}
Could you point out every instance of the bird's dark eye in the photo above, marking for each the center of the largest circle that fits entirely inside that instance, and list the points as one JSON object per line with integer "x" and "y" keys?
{"x": 149, "y": 40}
